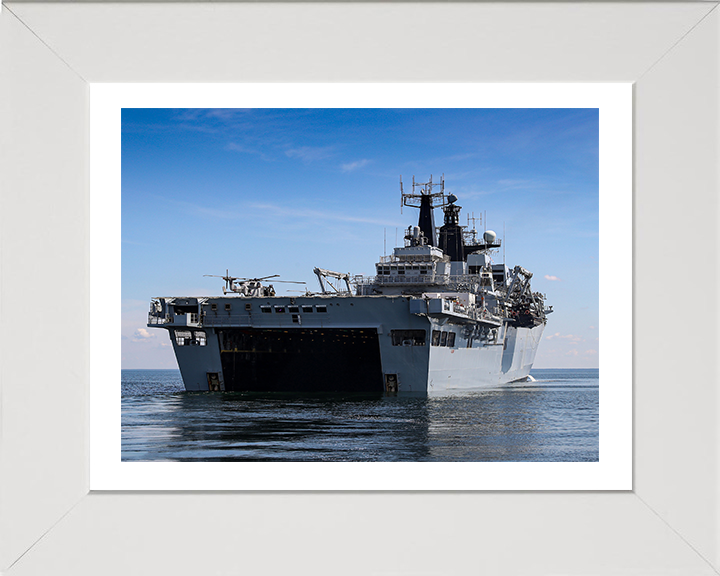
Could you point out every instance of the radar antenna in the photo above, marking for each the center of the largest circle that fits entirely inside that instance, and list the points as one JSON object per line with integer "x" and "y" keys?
{"x": 422, "y": 190}
{"x": 471, "y": 231}
{"x": 424, "y": 197}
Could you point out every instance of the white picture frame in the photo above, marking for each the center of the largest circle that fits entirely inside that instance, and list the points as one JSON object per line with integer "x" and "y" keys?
{"x": 668, "y": 523}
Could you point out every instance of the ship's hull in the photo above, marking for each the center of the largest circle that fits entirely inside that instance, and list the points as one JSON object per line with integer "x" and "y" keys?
{"x": 345, "y": 345}
{"x": 492, "y": 365}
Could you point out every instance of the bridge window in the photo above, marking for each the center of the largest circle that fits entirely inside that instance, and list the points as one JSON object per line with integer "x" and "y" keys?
{"x": 183, "y": 337}
{"x": 436, "y": 337}
{"x": 307, "y": 309}
{"x": 443, "y": 338}
{"x": 265, "y": 309}
{"x": 228, "y": 307}
{"x": 451, "y": 339}
{"x": 200, "y": 339}
{"x": 293, "y": 309}
{"x": 213, "y": 307}
{"x": 321, "y": 309}
{"x": 279, "y": 309}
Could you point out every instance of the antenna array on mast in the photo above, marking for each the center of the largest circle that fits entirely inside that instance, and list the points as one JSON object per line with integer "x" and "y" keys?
{"x": 423, "y": 189}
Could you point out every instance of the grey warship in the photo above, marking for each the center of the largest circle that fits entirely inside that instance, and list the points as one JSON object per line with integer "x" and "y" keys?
{"x": 438, "y": 315}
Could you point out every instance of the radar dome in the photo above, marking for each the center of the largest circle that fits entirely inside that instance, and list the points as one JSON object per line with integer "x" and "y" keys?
{"x": 489, "y": 237}
{"x": 452, "y": 198}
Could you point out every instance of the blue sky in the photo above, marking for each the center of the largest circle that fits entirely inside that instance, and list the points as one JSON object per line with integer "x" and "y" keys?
{"x": 280, "y": 191}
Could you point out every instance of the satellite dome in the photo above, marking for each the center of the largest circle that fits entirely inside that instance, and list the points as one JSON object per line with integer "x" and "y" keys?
{"x": 452, "y": 198}
{"x": 489, "y": 237}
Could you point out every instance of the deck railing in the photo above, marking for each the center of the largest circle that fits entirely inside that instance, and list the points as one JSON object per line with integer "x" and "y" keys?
{"x": 445, "y": 280}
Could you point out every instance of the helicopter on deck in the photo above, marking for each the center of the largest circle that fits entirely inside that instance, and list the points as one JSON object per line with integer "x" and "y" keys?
{"x": 249, "y": 287}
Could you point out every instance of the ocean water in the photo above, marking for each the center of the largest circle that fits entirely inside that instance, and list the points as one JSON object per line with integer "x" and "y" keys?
{"x": 554, "y": 419}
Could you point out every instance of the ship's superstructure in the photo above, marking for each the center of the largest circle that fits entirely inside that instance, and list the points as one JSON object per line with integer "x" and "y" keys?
{"x": 437, "y": 315}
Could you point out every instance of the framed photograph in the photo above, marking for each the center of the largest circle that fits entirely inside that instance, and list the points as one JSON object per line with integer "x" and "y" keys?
{"x": 575, "y": 128}
{"x": 62, "y": 512}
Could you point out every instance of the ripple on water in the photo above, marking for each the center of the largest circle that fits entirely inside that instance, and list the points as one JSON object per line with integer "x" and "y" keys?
{"x": 552, "y": 419}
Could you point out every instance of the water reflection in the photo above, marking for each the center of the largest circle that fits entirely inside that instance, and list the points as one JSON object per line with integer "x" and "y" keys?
{"x": 555, "y": 421}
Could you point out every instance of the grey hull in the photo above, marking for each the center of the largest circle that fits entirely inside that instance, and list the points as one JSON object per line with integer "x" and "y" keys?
{"x": 268, "y": 339}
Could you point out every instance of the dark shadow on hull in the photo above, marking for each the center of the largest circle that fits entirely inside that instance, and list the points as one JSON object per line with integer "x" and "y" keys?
{"x": 302, "y": 361}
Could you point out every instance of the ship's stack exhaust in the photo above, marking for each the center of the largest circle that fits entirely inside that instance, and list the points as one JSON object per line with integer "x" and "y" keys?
{"x": 426, "y": 219}
{"x": 451, "y": 234}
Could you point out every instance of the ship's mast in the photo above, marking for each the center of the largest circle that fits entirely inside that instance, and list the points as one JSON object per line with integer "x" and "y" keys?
{"x": 451, "y": 234}
{"x": 425, "y": 198}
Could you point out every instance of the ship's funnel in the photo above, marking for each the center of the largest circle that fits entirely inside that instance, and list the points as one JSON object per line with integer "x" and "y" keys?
{"x": 426, "y": 220}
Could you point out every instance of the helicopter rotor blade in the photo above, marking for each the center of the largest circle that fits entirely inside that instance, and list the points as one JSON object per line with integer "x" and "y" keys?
{"x": 229, "y": 279}
{"x": 257, "y": 279}
{"x": 226, "y": 278}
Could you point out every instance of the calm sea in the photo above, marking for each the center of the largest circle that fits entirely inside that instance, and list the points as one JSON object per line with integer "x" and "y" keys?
{"x": 554, "y": 419}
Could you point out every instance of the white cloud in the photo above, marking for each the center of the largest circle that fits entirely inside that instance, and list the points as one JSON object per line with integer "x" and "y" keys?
{"x": 227, "y": 113}
{"x": 516, "y": 183}
{"x": 590, "y": 352}
{"x": 355, "y": 165}
{"x": 553, "y": 278}
{"x": 571, "y": 337}
{"x": 319, "y": 215}
{"x": 310, "y": 153}
{"x": 222, "y": 114}
{"x": 142, "y": 335}
{"x": 234, "y": 147}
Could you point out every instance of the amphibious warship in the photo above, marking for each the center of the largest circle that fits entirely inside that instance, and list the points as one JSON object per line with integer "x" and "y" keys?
{"x": 438, "y": 315}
